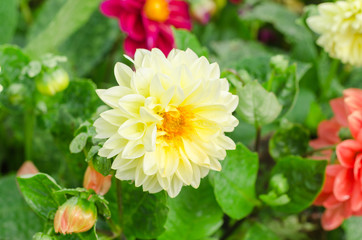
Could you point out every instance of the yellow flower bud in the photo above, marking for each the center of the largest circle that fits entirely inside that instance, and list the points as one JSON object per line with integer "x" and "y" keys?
{"x": 74, "y": 216}
{"x": 49, "y": 83}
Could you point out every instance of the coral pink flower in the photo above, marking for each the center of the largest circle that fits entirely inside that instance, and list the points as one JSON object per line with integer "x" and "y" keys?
{"x": 338, "y": 177}
{"x": 339, "y": 109}
{"x": 96, "y": 181}
{"x": 328, "y": 130}
{"x": 342, "y": 191}
{"x": 353, "y": 99}
{"x": 327, "y": 136}
{"x": 148, "y": 22}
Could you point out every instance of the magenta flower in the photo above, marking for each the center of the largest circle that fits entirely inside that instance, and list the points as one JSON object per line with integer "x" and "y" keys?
{"x": 147, "y": 23}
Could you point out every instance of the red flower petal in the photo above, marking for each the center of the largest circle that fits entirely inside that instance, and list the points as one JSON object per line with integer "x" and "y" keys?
{"x": 333, "y": 170}
{"x": 166, "y": 41}
{"x": 339, "y": 110}
{"x": 179, "y": 15}
{"x": 112, "y": 8}
{"x": 130, "y": 45}
{"x": 131, "y": 23}
{"x": 343, "y": 184}
{"x": 346, "y": 152}
{"x": 332, "y": 218}
{"x": 357, "y": 168}
{"x": 331, "y": 202}
{"x": 322, "y": 197}
{"x": 355, "y": 125}
{"x": 356, "y": 199}
{"x": 353, "y": 99}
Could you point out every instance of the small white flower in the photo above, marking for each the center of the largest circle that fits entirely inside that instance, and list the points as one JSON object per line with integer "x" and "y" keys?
{"x": 1, "y": 88}
{"x": 167, "y": 122}
{"x": 340, "y": 27}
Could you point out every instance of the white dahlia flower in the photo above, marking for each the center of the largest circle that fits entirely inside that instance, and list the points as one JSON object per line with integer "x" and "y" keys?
{"x": 167, "y": 122}
{"x": 340, "y": 26}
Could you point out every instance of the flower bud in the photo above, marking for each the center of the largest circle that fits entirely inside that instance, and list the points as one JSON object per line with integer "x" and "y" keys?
{"x": 203, "y": 10}
{"x": 28, "y": 167}
{"x": 235, "y": 1}
{"x": 96, "y": 181}
{"x": 74, "y": 216}
{"x": 49, "y": 83}
{"x": 1, "y": 88}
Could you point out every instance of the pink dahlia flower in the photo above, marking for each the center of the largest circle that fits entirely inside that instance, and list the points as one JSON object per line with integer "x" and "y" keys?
{"x": 328, "y": 130}
{"x": 342, "y": 191}
{"x": 147, "y": 23}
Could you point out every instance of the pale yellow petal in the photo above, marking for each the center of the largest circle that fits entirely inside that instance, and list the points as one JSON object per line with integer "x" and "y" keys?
{"x": 132, "y": 129}
{"x": 123, "y": 74}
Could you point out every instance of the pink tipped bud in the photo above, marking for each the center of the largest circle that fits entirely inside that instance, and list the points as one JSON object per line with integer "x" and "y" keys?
{"x": 203, "y": 10}
{"x": 96, "y": 181}
{"x": 235, "y": 1}
{"x": 28, "y": 167}
{"x": 74, "y": 216}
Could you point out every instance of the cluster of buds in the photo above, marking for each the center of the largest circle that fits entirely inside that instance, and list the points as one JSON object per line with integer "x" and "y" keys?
{"x": 79, "y": 214}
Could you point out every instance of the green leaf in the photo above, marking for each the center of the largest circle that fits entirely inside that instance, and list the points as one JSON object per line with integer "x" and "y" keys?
{"x": 276, "y": 197}
{"x": 38, "y": 191}
{"x": 102, "y": 165}
{"x": 89, "y": 235}
{"x": 194, "y": 214}
{"x": 256, "y": 105}
{"x": 234, "y": 185}
{"x": 306, "y": 178}
{"x": 144, "y": 214}
{"x": 42, "y": 236}
{"x": 301, "y": 108}
{"x": 258, "y": 231}
{"x": 88, "y": 45}
{"x": 291, "y": 140}
{"x": 12, "y": 61}
{"x": 273, "y": 199}
{"x": 45, "y": 14}
{"x": 285, "y": 86}
{"x": 78, "y": 143}
{"x": 229, "y": 52}
{"x": 185, "y": 39}
{"x": 92, "y": 152}
{"x": 352, "y": 228}
{"x": 8, "y": 20}
{"x": 80, "y": 98}
{"x": 285, "y": 21}
{"x": 69, "y": 19}
{"x": 17, "y": 220}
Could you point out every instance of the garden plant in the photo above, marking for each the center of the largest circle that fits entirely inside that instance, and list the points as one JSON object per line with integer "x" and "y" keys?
{"x": 180, "y": 120}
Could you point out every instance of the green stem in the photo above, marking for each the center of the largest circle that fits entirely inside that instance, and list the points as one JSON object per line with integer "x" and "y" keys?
{"x": 26, "y": 11}
{"x": 270, "y": 81}
{"x": 120, "y": 206}
{"x": 332, "y": 73}
{"x": 29, "y": 123}
{"x": 257, "y": 139}
{"x": 332, "y": 147}
{"x": 233, "y": 72}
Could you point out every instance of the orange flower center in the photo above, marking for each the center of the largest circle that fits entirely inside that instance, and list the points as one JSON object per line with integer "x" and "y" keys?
{"x": 176, "y": 123}
{"x": 157, "y": 10}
